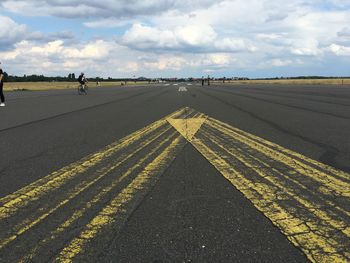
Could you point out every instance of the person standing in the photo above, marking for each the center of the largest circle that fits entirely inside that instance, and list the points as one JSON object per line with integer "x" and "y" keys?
{"x": 2, "y": 97}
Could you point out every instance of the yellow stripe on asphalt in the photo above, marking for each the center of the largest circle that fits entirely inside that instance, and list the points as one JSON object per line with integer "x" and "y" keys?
{"x": 289, "y": 153}
{"x": 296, "y": 229}
{"x": 116, "y": 208}
{"x": 279, "y": 190}
{"x": 320, "y": 229}
{"x": 79, "y": 213}
{"x": 11, "y": 203}
{"x": 299, "y": 195}
{"x": 331, "y": 184}
{"x": 81, "y": 187}
{"x": 38, "y": 189}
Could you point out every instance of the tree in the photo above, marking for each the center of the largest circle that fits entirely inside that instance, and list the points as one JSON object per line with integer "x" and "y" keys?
{"x": 6, "y": 76}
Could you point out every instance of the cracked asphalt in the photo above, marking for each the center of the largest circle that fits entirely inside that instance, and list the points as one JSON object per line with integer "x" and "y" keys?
{"x": 193, "y": 210}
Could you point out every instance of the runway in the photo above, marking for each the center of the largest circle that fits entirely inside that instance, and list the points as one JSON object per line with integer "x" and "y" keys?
{"x": 169, "y": 173}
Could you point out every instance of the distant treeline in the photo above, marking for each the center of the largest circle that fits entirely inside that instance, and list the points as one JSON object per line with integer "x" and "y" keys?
{"x": 70, "y": 78}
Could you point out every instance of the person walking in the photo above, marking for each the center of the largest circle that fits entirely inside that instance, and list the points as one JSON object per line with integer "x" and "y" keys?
{"x": 2, "y": 97}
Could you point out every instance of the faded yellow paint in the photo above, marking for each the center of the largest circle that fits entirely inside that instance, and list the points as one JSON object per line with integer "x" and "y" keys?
{"x": 79, "y": 213}
{"x": 224, "y": 146}
{"x": 332, "y": 184}
{"x": 296, "y": 229}
{"x": 115, "y": 209}
{"x": 278, "y": 190}
{"x": 187, "y": 127}
{"x": 314, "y": 225}
{"x": 11, "y": 203}
{"x": 81, "y": 187}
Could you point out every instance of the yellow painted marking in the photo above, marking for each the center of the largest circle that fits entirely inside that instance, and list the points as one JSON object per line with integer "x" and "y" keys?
{"x": 187, "y": 127}
{"x": 279, "y": 190}
{"x": 116, "y": 208}
{"x": 11, "y": 203}
{"x": 296, "y": 229}
{"x": 331, "y": 184}
{"x": 288, "y": 152}
{"x": 58, "y": 178}
{"x": 314, "y": 225}
{"x": 79, "y": 213}
{"x": 28, "y": 224}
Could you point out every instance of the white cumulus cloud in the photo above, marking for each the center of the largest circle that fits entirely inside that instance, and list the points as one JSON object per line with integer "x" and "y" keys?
{"x": 10, "y": 32}
{"x": 191, "y": 38}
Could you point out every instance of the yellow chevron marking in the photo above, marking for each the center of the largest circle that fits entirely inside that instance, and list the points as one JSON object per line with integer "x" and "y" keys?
{"x": 299, "y": 195}
{"x": 187, "y": 127}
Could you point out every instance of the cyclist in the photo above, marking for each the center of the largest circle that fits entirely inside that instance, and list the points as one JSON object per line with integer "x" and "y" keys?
{"x": 82, "y": 80}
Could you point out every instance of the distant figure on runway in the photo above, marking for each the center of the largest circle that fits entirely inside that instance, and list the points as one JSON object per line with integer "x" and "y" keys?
{"x": 82, "y": 80}
{"x": 2, "y": 97}
{"x": 202, "y": 81}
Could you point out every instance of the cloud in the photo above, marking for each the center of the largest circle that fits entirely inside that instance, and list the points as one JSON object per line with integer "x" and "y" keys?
{"x": 306, "y": 47}
{"x": 339, "y": 50}
{"x": 190, "y": 38}
{"x": 185, "y": 37}
{"x": 345, "y": 32}
{"x": 280, "y": 62}
{"x": 105, "y": 9}
{"x": 41, "y": 37}
{"x": 49, "y": 57}
{"x": 108, "y": 23}
{"x": 57, "y": 58}
{"x": 10, "y": 32}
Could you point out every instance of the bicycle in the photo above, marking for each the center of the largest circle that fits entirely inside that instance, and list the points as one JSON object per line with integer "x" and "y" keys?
{"x": 82, "y": 90}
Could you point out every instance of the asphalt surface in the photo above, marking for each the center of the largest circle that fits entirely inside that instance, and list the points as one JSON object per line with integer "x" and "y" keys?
{"x": 190, "y": 213}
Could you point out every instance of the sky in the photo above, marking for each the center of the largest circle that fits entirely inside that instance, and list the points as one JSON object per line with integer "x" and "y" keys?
{"x": 175, "y": 38}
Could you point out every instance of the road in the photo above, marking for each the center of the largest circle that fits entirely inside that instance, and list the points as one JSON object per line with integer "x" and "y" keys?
{"x": 176, "y": 173}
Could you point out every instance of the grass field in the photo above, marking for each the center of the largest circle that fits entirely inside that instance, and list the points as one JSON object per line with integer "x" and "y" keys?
{"x": 291, "y": 82}
{"x": 22, "y": 86}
